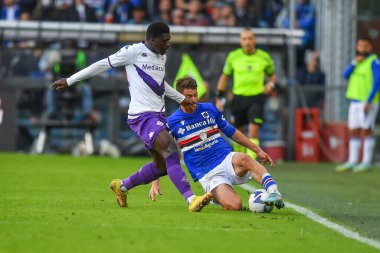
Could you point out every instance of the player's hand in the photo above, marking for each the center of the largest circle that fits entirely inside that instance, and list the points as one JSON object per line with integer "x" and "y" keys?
{"x": 154, "y": 190}
{"x": 359, "y": 58}
{"x": 189, "y": 105}
{"x": 219, "y": 104}
{"x": 367, "y": 106}
{"x": 265, "y": 158}
{"x": 60, "y": 84}
{"x": 268, "y": 88}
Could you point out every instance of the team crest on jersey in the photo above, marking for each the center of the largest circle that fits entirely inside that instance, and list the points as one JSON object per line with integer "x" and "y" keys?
{"x": 203, "y": 136}
{"x": 159, "y": 123}
{"x": 205, "y": 115}
{"x": 182, "y": 122}
{"x": 249, "y": 68}
{"x": 181, "y": 130}
{"x": 144, "y": 55}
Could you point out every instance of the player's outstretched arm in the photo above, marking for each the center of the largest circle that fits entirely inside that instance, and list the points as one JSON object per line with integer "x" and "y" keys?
{"x": 240, "y": 138}
{"x": 92, "y": 70}
{"x": 179, "y": 98}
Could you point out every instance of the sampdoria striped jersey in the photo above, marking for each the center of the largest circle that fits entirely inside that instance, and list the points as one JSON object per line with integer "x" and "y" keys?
{"x": 199, "y": 137}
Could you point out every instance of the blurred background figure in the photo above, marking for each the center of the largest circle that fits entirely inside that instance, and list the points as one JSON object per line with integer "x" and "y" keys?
{"x": 177, "y": 17}
{"x": 10, "y": 10}
{"x": 139, "y": 16}
{"x": 311, "y": 75}
{"x": 164, "y": 12}
{"x": 74, "y": 104}
{"x": 245, "y": 16}
{"x": 227, "y": 17}
{"x": 83, "y": 12}
{"x": 363, "y": 75}
{"x": 305, "y": 20}
{"x": 195, "y": 17}
{"x": 119, "y": 12}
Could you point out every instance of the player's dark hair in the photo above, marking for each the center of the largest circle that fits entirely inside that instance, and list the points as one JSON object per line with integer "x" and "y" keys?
{"x": 365, "y": 38}
{"x": 156, "y": 29}
{"x": 186, "y": 82}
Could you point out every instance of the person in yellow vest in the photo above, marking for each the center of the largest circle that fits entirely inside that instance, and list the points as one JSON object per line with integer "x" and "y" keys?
{"x": 363, "y": 76}
{"x": 249, "y": 66}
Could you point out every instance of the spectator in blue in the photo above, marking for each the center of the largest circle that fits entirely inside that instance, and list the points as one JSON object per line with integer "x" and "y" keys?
{"x": 305, "y": 20}
{"x": 266, "y": 12}
{"x": 10, "y": 10}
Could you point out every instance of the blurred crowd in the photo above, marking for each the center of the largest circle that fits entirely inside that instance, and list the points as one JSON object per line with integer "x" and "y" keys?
{"x": 240, "y": 13}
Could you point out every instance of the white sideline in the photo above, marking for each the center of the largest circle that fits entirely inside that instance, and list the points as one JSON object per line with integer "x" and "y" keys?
{"x": 325, "y": 222}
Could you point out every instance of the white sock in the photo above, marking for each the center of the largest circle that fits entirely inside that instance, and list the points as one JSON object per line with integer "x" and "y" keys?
{"x": 354, "y": 148}
{"x": 189, "y": 199}
{"x": 368, "y": 146}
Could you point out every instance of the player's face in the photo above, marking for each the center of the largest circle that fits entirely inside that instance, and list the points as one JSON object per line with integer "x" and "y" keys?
{"x": 247, "y": 41}
{"x": 161, "y": 44}
{"x": 364, "y": 47}
{"x": 191, "y": 94}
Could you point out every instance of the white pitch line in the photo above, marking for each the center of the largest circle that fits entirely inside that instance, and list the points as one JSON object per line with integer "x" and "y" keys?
{"x": 325, "y": 222}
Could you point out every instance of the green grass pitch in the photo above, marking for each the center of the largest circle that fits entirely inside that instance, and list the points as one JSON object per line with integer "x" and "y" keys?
{"x": 63, "y": 204}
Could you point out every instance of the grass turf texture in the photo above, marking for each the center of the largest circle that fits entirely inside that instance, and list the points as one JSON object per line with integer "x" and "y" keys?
{"x": 63, "y": 204}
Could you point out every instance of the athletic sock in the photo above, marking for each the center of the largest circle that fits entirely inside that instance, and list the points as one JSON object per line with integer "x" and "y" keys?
{"x": 268, "y": 183}
{"x": 178, "y": 176}
{"x": 354, "y": 148}
{"x": 250, "y": 152}
{"x": 190, "y": 199}
{"x": 148, "y": 173}
{"x": 368, "y": 147}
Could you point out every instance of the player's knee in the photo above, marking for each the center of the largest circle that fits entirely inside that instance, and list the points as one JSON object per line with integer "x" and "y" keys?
{"x": 246, "y": 160}
{"x": 234, "y": 205}
{"x": 170, "y": 149}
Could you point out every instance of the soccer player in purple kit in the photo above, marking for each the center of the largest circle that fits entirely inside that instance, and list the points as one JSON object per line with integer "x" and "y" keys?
{"x": 210, "y": 159}
{"x": 145, "y": 66}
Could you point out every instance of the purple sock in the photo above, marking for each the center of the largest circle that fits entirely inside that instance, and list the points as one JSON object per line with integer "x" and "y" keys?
{"x": 177, "y": 175}
{"x": 148, "y": 173}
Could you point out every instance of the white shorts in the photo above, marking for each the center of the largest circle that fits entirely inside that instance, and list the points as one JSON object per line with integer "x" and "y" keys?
{"x": 224, "y": 173}
{"x": 358, "y": 119}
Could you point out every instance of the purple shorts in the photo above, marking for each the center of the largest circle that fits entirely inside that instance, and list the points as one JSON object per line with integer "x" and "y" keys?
{"x": 147, "y": 126}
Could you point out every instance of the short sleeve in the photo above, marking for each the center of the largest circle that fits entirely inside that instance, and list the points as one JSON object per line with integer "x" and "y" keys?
{"x": 123, "y": 57}
{"x": 228, "y": 69}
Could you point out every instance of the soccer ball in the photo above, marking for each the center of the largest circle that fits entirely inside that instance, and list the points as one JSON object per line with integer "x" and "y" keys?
{"x": 256, "y": 204}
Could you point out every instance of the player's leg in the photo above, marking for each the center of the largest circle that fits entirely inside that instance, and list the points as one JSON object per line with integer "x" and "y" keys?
{"x": 165, "y": 146}
{"x": 243, "y": 164}
{"x": 368, "y": 123}
{"x": 255, "y": 115}
{"x": 225, "y": 195}
{"x": 239, "y": 106}
{"x": 146, "y": 174}
{"x": 146, "y": 126}
{"x": 354, "y": 112}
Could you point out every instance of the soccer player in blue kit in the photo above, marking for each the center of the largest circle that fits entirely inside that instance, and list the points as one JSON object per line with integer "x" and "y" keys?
{"x": 208, "y": 157}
